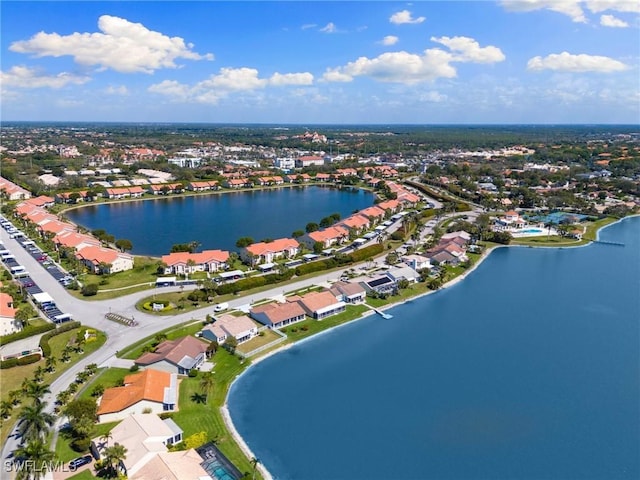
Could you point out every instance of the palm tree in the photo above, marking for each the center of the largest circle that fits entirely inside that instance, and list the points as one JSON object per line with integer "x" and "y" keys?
{"x": 207, "y": 383}
{"x": 37, "y": 391}
{"x": 91, "y": 369}
{"x": 34, "y": 459}
{"x": 66, "y": 354}
{"x": 254, "y": 466}
{"x": 34, "y": 422}
{"x": 106, "y": 437}
{"x": 6, "y": 406}
{"x": 113, "y": 456}
{"x": 50, "y": 366}
{"x": 38, "y": 374}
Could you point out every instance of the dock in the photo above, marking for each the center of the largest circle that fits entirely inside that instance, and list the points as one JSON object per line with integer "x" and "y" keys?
{"x": 386, "y": 316}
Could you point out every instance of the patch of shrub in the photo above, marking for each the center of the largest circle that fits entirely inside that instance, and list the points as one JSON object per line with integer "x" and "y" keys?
{"x": 81, "y": 444}
{"x": 44, "y": 340}
{"x": 89, "y": 290}
{"x": 193, "y": 373}
{"x": 26, "y": 332}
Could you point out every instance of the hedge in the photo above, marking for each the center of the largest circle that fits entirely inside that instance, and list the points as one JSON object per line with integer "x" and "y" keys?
{"x": 44, "y": 340}
{"x": 367, "y": 252}
{"x": 16, "y": 362}
{"x": 26, "y": 332}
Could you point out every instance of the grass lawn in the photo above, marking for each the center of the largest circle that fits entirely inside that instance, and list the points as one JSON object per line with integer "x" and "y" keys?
{"x": 179, "y": 299}
{"x": 404, "y": 294}
{"x": 189, "y": 328}
{"x": 195, "y": 417}
{"x": 83, "y": 475}
{"x": 591, "y": 229}
{"x": 257, "y": 342}
{"x": 309, "y": 327}
{"x": 107, "y": 377}
{"x": 12, "y": 378}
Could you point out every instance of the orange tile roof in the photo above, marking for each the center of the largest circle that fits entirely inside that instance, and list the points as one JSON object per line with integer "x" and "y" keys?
{"x": 355, "y": 221}
{"x": 206, "y": 256}
{"x": 147, "y": 385}
{"x": 97, "y": 254}
{"x": 373, "y": 212}
{"x": 279, "y": 245}
{"x": 318, "y": 300}
{"x": 6, "y": 308}
{"x": 329, "y": 234}
{"x": 174, "y": 351}
{"x": 278, "y": 312}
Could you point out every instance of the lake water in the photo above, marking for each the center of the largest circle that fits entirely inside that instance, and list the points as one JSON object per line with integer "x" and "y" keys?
{"x": 217, "y": 221}
{"x": 528, "y": 369}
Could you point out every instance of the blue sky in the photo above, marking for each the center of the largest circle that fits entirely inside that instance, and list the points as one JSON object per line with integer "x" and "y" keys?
{"x": 426, "y": 62}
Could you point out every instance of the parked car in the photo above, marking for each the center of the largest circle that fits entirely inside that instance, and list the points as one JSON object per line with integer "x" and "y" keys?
{"x": 80, "y": 461}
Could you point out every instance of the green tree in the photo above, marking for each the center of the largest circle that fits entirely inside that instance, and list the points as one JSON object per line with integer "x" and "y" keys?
{"x": 124, "y": 244}
{"x": 50, "y": 364}
{"x": 318, "y": 247}
{"x": 80, "y": 412}
{"x": 297, "y": 233}
{"x": 34, "y": 422}
{"x": 230, "y": 344}
{"x": 113, "y": 456}
{"x": 34, "y": 458}
{"x": 311, "y": 227}
{"x": 36, "y": 391}
{"x": 243, "y": 242}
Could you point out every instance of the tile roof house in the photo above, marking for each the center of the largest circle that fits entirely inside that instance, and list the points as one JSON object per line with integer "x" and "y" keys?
{"x": 357, "y": 222}
{"x": 75, "y": 240}
{"x": 145, "y": 436}
{"x": 417, "y": 262}
{"x": 374, "y": 213}
{"x": 205, "y": 261}
{"x": 42, "y": 201}
{"x": 8, "y": 322}
{"x": 348, "y": 292}
{"x": 320, "y": 305}
{"x": 180, "y": 465}
{"x": 176, "y": 356}
{"x": 241, "y": 328}
{"x": 327, "y": 237}
{"x": 278, "y": 315}
{"x": 150, "y": 389}
{"x": 267, "y": 252}
{"x": 95, "y": 257}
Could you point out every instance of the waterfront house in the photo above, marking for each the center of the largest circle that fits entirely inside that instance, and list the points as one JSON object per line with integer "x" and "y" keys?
{"x": 175, "y": 356}
{"x": 358, "y": 223}
{"x": 8, "y": 322}
{"x": 322, "y": 177}
{"x": 320, "y": 305}
{"x": 104, "y": 260}
{"x": 69, "y": 197}
{"x": 146, "y": 438}
{"x": 55, "y": 227}
{"x": 380, "y": 284}
{"x": 392, "y": 206}
{"x": 74, "y": 240}
{"x": 509, "y": 221}
{"x": 241, "y": 328}
{"x": 237, "y": 183}
{"x": 205, "y": 261}
{"x": 403, "y": 273}
{"x": 417, "y": 262}
{"x": 374, "y": 213}
{"x": 278, "y": 315}
{"x": 461, "y": 238}
{"x": 267, "y": 252}
{"x": 203, "y": 186}
{"x": 348, "y": 292}
{"x": 42, "y": 201}
{"x": 118, "y": 193}
{"x": 149, "y": 391}
{"x": 327, "y": 237}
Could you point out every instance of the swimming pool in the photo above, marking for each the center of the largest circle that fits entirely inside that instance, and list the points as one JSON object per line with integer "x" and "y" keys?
{"x": 531, "y": 230}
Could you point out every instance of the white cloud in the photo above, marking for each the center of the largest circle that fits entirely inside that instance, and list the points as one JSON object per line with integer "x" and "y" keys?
{"x": 120, "y": 90}
{"x": 24, "y": 77}
{"x": 411, "y": 68}
{"x": 278, "y": 79}
{"x": 307, "y": 26}
{"x": 566, "y": 62}
{"x": 611, "y": 21}
{"x": 469, "y": 50}
{"x": 122, "y": 45}
{"x": 570, "y": 8}
{"x": 329, "y": 28}
{"x": 629, "y": 6}
{"x": 573, "y": 8}
{"x": 389, "y": 40}
{"x": 433, "y": 97}
{"x": 228, "y": 81}
{"x": 403, "y": 17}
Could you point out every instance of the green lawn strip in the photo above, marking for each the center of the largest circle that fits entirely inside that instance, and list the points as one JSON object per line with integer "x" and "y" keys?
{"x": 188, "y": 328}
{"x": 83, "y": 475}
{"x": 109, "y": 377}
{"x": 179, "y": 300}
{"x": 11, "y": 378}
{"x": 309, "y": 327}
{"x": 111, "y": 294}
{"x": 195, "y": 417}
{"x": 590, "y": 235}
{"x": 403, "y": 294}
{"x": 259, "y": 341}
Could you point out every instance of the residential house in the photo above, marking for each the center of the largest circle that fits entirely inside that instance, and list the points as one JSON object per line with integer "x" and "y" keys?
{"x": 309, "y": 160}
{"x": 176, "y": 356}
{"x": 12, "y": 191}
{"x": 358, "y": 223}
{"x": 403, "y": 273}
{"x": 8, "y": 322}
{"x": 322, "y": 177}
{"x": 179, "y": 465}
{"x": 203, "y": 186}
{"x": 55, "y": 227}
{"x": 380, "y": 284}
{"x": 392, "y": 206}
{"x": 42, "y": 201}
{"x": 205, "y": 261}
{"x": 417, "y": 262}
{"x": 74, "y": 240}
{"x": 509, "y": 221}
{"x": 241, "y": 328}
{"x": 69, "y": 197}
{"x": 237, "y": 183}
{"x": 104, "y": 260}
{"x": 327, "y": 237}
{"x": 145, "y": 437}
{"x": 321, "y": 305}
{"x": 374, "y": 213}
{"x": 348, "y": 292}
{"x": 278, "y": 315}
{"x": 267, "y": 252}
{"x": 118, "y": 193}
{"x": 149, "y": 391}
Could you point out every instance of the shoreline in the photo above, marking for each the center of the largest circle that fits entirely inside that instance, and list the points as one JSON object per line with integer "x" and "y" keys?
{"x": 224, "y": 410}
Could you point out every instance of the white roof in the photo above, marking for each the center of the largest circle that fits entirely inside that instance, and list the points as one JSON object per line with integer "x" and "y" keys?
{"x": 43, "y": 297}
{"x": 232, "y": 273}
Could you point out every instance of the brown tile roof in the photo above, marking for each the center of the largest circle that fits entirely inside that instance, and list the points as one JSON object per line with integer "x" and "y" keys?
{"x": 174, "y": 351}
{"x": 147, "y": 385}
{"x": 278, "y": 312}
